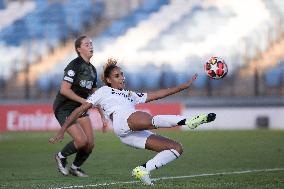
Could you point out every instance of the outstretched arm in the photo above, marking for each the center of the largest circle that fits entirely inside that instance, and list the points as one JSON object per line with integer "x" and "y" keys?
{"x": 169, "y": 91}
{"x": 104, "y": 120}
{"x": 73, "y": 116}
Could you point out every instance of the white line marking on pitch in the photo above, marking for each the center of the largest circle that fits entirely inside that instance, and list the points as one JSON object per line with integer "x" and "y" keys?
{"x": 175, "y": 177}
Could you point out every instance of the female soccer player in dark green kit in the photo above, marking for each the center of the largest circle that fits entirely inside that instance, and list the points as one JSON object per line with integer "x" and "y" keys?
{"x": 79, "y": 81}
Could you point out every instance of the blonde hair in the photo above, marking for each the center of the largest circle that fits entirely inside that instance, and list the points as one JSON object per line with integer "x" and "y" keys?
{"x": 107, "y": 68}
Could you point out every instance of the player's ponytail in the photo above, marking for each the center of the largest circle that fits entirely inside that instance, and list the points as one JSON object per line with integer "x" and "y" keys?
{"x": 108, "y": 67}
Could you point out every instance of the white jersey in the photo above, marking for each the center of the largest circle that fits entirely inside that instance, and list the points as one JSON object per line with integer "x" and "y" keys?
{"x": 112, "y": 100}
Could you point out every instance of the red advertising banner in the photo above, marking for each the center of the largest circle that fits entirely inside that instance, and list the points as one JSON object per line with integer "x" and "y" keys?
{"x": 40, "y": 117}
{"x": 161, "y": 109}
{"x": 27, "y": 117}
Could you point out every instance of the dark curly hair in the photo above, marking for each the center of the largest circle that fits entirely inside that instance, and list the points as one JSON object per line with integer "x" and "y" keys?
{"x": 108, "y": 67}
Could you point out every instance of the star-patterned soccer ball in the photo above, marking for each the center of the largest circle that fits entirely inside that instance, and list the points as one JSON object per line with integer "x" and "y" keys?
{"x": 216, "y": 68}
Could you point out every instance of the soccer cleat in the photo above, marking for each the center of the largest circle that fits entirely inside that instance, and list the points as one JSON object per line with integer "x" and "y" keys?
{"x": 61, "y": 165}
{"x": 200, "y": 119}
{"x": 142, "y": 174}
{"x": 78, "y": 172}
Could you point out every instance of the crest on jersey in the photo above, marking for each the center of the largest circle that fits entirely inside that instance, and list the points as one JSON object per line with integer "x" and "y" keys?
{"x": 83, "y": 83}
{"x": 70, "y": 73}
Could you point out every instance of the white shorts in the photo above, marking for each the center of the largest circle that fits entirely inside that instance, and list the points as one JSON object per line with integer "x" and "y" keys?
{"x": 136, "y": 139}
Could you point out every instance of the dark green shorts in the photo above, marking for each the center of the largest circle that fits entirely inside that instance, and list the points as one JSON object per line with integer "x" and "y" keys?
{"x": 61, "y": 115}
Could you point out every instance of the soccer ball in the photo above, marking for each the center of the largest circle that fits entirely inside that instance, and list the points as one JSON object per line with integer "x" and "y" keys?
{"x": 216, "y": 68}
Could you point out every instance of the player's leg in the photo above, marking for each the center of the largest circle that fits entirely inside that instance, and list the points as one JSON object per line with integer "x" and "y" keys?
{"x": 83, "y": 153}
{"x": 78, "y": 142}
{"x": 168, "y": 149}
{"x": 139, "y": 120}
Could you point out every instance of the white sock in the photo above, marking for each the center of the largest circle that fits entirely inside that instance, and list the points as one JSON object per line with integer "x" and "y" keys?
{"x": 74, "y": 166}
{"x": 60, "y": 155}
{"x": 161, "y": 159}
{"x": 166, "y": 120}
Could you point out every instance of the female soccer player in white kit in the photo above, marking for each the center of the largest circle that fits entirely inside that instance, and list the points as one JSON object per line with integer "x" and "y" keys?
{"x": 131, "y": 125}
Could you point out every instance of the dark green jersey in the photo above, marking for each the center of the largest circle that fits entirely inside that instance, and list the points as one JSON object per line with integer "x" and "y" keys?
{"x": 83, "y": 77}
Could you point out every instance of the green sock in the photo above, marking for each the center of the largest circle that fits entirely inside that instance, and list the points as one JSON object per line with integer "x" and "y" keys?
{"x": 81, "y": 157}
{"x": 69, "y": 149}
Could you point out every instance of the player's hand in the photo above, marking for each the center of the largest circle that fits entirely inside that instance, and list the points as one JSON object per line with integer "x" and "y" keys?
{"x": 105, "y": 125}
{"x": 193, "y": 78}
{"x": 57, "y": 138}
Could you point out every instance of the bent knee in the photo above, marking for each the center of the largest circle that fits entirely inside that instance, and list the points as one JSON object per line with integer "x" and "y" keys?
{"x": 178, "y": 147}
{"x": 81, "y": 143}
{"x": 90, "y": 146}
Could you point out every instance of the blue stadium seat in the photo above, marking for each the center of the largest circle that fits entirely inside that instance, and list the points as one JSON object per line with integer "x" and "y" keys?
{"x": 167, "y": 79}
{"x": 56, "y": 81}
{"x": 133, "y": 80}
{"x": 151, "y": 6}
{"x": 2, "y": 4}
{"x": 34, "y": 25}
{"x": 98, "y": 8}
{"x": 281, "y": 64}
{"x": 16, "y": 34}
{"x": 80, "y": 13}
{"x": 182, "y": 77}
{"x": 119, "y": 27}
{"x": 44, "y": 84}
{"x": 67, "y": 17}
{"x": 40, "y": 4}
{"x": 201, "y": 81}
{"x": 55, "y": 23}
{"x": 273, "y": 76}
{"x": 151, "y": 80}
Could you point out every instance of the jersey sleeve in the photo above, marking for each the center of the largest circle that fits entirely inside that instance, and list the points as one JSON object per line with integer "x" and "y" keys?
{"x": 139, "y": 97}
{"x": 95, "y": 97}
{"x": 70, "y": 73}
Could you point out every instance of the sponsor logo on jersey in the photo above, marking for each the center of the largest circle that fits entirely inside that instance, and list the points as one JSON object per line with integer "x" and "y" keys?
{"x": 70, "y": 73}
{"x": 83, "y": 83}
{"x": 66, "y": 78}
{"x": 86, "y": 84}
{"x": 122, "y": 94}
{"x": 89, "y": 84}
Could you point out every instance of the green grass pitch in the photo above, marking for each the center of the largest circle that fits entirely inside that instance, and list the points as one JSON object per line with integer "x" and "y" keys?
{"x": 26, "y": 161}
